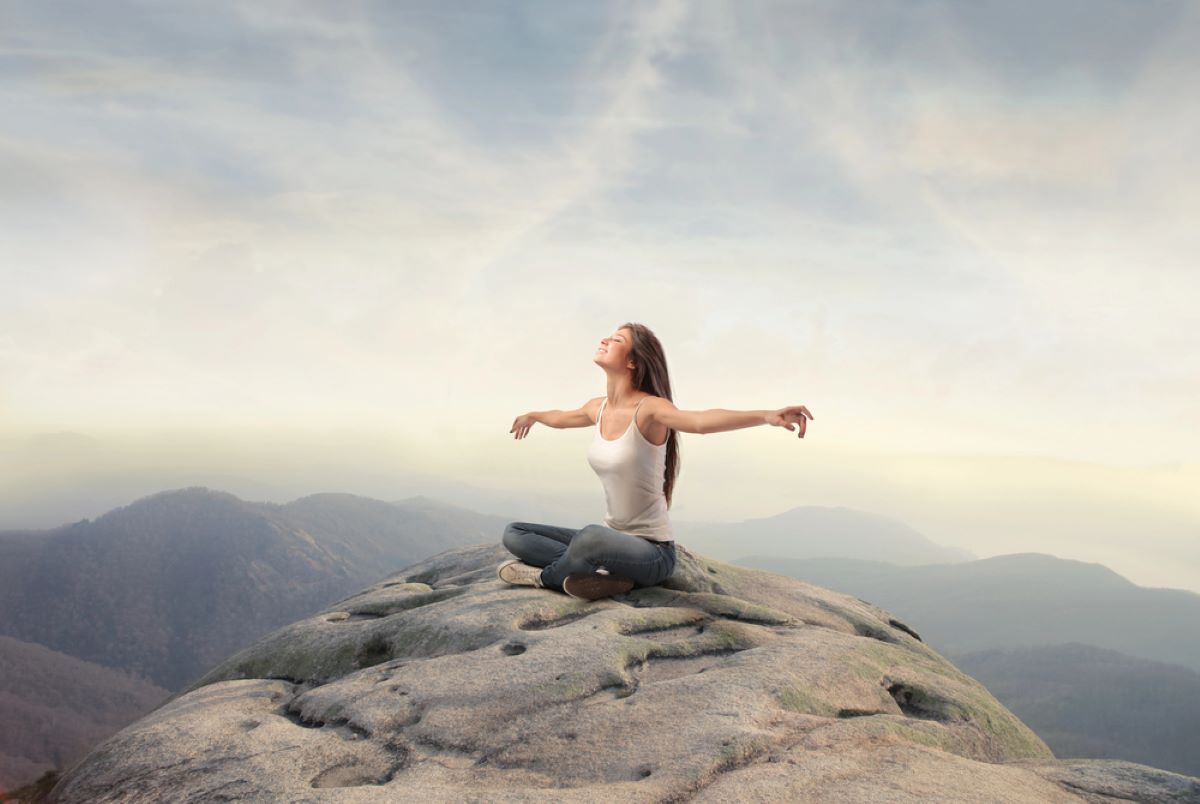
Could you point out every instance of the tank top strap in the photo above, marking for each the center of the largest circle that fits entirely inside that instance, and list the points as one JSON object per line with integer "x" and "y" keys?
{"x": 635, "y": 410}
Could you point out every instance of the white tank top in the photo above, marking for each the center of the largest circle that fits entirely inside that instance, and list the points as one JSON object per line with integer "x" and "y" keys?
{"x": 632, "y": 471}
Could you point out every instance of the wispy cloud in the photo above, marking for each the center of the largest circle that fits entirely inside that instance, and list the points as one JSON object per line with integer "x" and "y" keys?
{"x": 943, "y": 226}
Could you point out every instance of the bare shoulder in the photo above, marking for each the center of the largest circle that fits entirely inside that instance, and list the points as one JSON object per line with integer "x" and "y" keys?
{"x": 656, "y": 407}
{"x": 662, "y": 411}
{"x": 592, "y": 408}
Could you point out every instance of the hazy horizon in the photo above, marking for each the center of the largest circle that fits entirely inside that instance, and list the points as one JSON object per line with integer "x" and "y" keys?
{"x": 1136, "y": 521}
{"x": 323, "y": 248}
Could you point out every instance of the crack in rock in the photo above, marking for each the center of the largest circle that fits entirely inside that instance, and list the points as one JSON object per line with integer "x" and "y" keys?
{"x": 918, "y": 702}
{"x": 892, "y": 621}
{"x": 542, "y": 621}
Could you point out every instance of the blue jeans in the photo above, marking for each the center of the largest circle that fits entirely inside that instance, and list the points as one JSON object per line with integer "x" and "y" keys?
{"x": 567, "y": 551}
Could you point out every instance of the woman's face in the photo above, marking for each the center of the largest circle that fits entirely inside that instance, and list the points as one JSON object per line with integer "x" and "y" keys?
{"x": 614, "y": 349}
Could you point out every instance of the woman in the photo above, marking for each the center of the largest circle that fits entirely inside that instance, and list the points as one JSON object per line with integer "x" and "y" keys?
{"x": 636, "y": 455}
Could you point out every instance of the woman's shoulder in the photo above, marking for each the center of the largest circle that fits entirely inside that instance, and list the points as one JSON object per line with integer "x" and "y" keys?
{"x": 654, "y": 401}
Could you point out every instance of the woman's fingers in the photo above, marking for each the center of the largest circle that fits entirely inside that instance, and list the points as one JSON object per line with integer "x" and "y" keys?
{"x": 521, "y": 426}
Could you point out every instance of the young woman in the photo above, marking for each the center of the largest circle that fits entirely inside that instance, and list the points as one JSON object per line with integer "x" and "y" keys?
{"x": 636, "y": 454}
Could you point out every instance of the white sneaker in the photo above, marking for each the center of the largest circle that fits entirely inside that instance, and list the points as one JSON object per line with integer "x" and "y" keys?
{"x": 517, "y": 572}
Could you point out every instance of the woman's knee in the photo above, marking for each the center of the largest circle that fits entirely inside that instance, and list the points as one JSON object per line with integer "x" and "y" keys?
{"x": 591, "y": 540}
{"x": 514, "y": 534}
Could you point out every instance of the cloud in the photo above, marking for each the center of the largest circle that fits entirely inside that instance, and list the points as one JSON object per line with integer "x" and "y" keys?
{"x": 944, "y": 227}
{"x": 964, "y": 211}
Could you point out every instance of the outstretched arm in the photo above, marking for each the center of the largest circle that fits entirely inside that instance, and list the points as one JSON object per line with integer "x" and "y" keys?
{"x": 583, "y": 416}
{"x": 719, "y": 420}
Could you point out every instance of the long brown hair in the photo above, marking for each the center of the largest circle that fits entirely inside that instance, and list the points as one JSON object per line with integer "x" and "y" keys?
{"x": 650, "y": 376}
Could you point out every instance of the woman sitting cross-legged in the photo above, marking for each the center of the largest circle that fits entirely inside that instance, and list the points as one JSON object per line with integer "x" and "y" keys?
{"x": 635, "y": 546}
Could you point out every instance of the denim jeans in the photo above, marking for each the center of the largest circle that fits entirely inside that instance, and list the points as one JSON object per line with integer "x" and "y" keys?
{"x": 567, "y": 551}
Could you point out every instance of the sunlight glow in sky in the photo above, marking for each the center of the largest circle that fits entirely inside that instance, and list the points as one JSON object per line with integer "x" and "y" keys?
{"x": 947, "y": 228}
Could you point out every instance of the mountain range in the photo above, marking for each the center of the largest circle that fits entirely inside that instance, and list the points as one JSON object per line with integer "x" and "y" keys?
{"x": 170, "y": 584}
{"x": 164, "y": 588}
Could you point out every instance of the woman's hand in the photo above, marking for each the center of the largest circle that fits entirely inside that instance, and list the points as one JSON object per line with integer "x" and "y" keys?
{"x": 784, "y": 417}
{"x": 521, "y": 425}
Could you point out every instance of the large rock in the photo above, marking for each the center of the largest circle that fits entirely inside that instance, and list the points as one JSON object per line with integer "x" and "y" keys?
{"x": 443, "y": 684}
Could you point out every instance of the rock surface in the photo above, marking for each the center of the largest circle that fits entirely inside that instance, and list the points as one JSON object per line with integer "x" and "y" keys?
{"x": 443, "y": 684}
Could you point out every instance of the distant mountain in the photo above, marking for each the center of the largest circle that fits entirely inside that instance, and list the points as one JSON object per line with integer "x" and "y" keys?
{"x": 55, "y": 708}
{"x": 1022, "y": 599}
{"x": 1092, "y": 702}
{"x": 66, "y": 476}
{"x": 172, "y": 583}
{"x": 814, "y": 531}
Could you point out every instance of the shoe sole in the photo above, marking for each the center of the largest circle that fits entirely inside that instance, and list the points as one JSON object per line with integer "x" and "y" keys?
{"x": 596, "y": 586}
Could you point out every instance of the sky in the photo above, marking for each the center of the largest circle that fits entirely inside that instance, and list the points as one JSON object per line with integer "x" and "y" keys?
{"x": 363, "y": 237}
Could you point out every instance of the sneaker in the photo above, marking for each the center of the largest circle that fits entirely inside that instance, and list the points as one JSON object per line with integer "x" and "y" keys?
{"x": 517, "y": 572}
{"x": 593, "y": 586}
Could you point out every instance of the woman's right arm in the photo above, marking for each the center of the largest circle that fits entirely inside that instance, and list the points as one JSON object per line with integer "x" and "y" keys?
{"x": 583, "y": 416}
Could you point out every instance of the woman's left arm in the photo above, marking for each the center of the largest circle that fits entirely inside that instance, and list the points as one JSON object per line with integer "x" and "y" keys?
{"x": 719, "y": 420}
{"x": 785, "y": 417}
